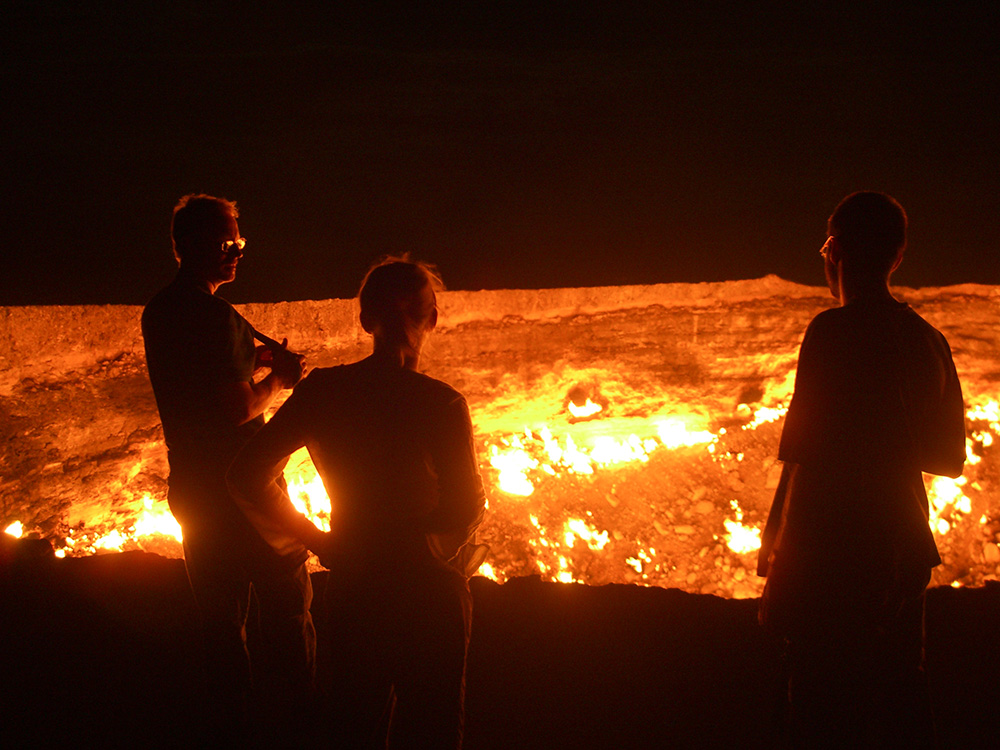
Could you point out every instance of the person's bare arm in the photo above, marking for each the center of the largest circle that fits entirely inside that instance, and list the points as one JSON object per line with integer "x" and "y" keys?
{"x": 253, "y": 474}
{"x": 244, "y": 401}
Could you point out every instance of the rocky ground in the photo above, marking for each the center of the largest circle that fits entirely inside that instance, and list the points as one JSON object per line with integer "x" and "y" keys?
{"x": 81, "y": 446}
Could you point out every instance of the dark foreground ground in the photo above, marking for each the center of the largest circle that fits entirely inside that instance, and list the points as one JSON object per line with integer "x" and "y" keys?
{"x": 102, "y": 652}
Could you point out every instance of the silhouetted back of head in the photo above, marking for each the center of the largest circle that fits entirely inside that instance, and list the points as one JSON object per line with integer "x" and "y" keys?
{"x": 196, "y": 216}
{"x": 871, "y": 230}
{"x": 398, "y": 300}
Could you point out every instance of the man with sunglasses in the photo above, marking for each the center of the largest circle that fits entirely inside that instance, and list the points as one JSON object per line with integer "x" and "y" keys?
{"x": 202, "y": 361}
{"x": 847, "y": 549}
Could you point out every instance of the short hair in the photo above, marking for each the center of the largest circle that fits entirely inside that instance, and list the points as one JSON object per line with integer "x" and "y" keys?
{"x": 391, "y": 296}
{"x": 196, "y": 212}
{"x": 871, "y": 230}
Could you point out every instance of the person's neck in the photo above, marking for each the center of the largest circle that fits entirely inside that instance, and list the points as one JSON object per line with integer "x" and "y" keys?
{"x": 864, "y": 289}
{"x": 394, "y": 355}
{"x": 198, "y": 279}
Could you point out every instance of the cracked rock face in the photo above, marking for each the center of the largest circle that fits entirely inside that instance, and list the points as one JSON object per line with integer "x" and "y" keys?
{"x": 80, "y": 439}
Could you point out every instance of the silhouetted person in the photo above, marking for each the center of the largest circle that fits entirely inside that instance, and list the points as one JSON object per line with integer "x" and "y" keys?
{"x": 202, "y": 360}
{"x": 395, "y": 451}
{"x": 847, "y": 548}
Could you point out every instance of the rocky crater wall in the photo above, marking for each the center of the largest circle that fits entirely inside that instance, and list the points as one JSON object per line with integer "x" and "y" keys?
{"x": 80, "y": 437}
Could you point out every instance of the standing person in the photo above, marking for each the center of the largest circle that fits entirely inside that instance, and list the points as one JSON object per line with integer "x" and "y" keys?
{"x": 395, "y": 451}
{"x": 201, "y": 359}
{"x": 847, "y": 548}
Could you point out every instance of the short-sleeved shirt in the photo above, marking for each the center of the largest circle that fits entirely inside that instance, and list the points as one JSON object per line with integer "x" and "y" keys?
{"x": 395, "y": 451}
{"x": 196, "y": 343}
{"x": 877, "y": 400}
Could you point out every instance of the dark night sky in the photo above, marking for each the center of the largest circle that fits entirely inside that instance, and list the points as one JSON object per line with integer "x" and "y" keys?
{"x": 557, "y": 147}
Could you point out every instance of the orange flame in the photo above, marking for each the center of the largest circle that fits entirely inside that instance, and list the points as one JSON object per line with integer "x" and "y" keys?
{"x": 524, "y": 460}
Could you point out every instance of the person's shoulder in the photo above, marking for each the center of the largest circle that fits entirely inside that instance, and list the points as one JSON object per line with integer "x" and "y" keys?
{"x": 163, "y": 306}
{"x": 181, "y": 311}
{"x": 829, "y": 317}
{"x": 828, "y": 321}
{"x": 913, "y": 318}
{"x": 319, "y": 378}
{"x": 341, "y": 379}
{"x": 182, "y": 296}
{"x": 916, "y": 325}
{"x": 318, "y": 386}
{"x": 161, "y": 300}
{"x": 858, "y": 317}
{"x": 433, "y": 387}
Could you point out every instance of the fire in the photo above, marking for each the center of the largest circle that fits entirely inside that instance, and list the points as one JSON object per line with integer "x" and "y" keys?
{"x": 155, "y": 520}
{"x": 306, "y": 490}
{"x": 739, "y": 538}
{"x": 530, "y": 461}
{"x": 598, "y": 502}
{"x": 577, "y": 528}
{"x": 949, "y": 503}
{"x": 523, "y": 460}
{"x": 675, "y": 433}
{"x": 513, "y": 466}
{"x": 588, "y": 409}
{"x": 153, "y": 529}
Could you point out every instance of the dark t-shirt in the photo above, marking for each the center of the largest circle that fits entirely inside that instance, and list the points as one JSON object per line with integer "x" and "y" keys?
{"x": 396, "y": 454}
{"x": 877, "y": 400}
{"x": 196, "y": 343}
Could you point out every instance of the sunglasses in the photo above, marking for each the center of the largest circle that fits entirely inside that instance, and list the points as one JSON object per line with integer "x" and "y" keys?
{"x": 230, "y": 246}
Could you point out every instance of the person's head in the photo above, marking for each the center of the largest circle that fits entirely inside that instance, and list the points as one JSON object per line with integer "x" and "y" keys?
{"x": 206, "y": 238}
{"x": 869, "y": 232}
{"x": 399, "y": 302}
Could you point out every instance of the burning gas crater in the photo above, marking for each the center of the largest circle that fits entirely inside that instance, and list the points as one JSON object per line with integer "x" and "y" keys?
{"x": 677, "y": 504}
{"x": 664, "y": 500}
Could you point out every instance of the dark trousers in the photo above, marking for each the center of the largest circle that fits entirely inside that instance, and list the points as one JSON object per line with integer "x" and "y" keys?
{"x": 396, "y": 654}
{"x": 859, "y": 683}
{"x": 228, "y": 563}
